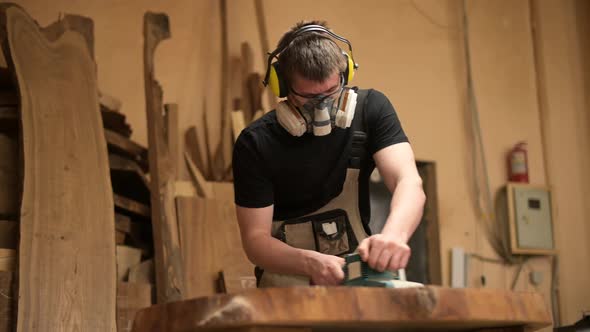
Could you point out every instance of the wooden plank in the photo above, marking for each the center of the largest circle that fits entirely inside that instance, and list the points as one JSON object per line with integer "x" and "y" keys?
{"x": 211, "y": 242}
{"x": 126, "y": 258}
{"x": 204, "y": 188}
{"x": 433, "y": 231}
{"x": 238, "y": 123}
{"x": 7, "y": 301}
{"x": 263, "y": 34}
{"x": 9, "y": 177}
{"x": 115, "y": 121}
{"x": 221, "y": 159}
{"x": 223, "y": 191}
{"x": 67, "y": 223}
{"x": 9, "y": 98}
{"x": 429, "y": 308}
{"x": 172, "y": 137}
{"x": 192, "y": 147}
{"x": 7, "y": 260}
{"x": 128, "y": 179}
{"x": 131, "y": 206}
{"x": 184, "y": 188}
{"x": 122, "y": 142}
{"x": 9, "y": 232}
{"x": 6, "y": 82}
{"x": 9, "y": 119}
{"x": 143, "y": 272}
{"x": 169, "y": 273}
{"x": 122, "y": 223}
{"x": 119, "y": 237}
{"x": 138, "y": 232}
{"x": 109, "y": 102}
{"x": 232, "y": 281}
{"x": 247, "y": 62}
{"x": 131, "y": 297}
{"x": 126, "y": 147}
{"x": 256, "y": 90}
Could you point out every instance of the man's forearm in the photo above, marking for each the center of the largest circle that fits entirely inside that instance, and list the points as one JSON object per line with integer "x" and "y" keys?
{"x": 407, "y": 207}
{"x": 276, "y": 256}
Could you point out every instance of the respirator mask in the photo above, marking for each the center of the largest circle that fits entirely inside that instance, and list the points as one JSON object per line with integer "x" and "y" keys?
{"x": 318, "y": 115}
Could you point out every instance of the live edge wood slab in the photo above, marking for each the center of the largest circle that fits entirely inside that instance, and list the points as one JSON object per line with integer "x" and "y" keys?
{"x": 67, "y": 272}
{"x": 351, "y": 309}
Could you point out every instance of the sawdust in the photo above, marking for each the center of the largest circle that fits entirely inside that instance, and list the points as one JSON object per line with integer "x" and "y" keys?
{"x": 238, "y": 309}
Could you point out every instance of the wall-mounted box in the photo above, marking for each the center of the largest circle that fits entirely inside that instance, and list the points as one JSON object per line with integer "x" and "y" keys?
{"x": 530, "y": 219}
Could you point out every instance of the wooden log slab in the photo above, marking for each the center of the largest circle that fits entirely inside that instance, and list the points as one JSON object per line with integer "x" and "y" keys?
{"x": 67, "y": 248}
{"x": 169, "y": 273}
{"x": 352, "y": 308}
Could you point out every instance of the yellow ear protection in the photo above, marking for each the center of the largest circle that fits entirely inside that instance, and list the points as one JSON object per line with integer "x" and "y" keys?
{"x": 276, "y": 81}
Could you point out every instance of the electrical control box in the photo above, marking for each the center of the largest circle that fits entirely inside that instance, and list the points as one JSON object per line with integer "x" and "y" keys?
{"x": 530, "y": 219}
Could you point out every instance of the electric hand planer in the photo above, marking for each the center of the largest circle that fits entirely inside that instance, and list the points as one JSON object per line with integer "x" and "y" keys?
{"x": 359, "y": 273}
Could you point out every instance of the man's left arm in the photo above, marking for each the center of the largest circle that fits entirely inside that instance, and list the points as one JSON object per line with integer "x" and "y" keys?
{"x": 389, "y": 250}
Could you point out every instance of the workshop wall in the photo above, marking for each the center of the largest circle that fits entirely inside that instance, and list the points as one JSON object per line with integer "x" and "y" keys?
{"x": 414, "y": 52}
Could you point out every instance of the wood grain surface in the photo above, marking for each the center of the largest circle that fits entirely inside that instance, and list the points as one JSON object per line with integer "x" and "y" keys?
{"x": 131, "y": 297}
{"x": 67, "y": 247}
{"x": 211, "y": 242}
{"x": 352, "y": 308}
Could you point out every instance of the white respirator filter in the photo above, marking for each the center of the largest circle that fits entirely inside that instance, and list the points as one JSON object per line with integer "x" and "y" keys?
{"x": 291, "y": 119}
{"x": 345, "y": 113}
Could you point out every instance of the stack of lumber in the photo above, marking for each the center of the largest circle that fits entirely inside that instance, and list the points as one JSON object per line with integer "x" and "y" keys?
{"x": 133, "y": 237}
{"x": 9, "y": 198}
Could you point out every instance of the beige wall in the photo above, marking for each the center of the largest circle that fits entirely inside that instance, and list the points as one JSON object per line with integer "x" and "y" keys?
{"x": 563, "y": 48}
{"x": 413, "y": 51}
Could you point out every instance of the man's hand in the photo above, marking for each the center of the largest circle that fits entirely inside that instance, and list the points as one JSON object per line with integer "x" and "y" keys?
{"x": 384, "y": 252}
{"x": 325, "y": 270}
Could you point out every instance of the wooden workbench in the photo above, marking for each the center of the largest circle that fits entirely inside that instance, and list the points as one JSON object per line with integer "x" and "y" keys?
{"x": 351, "y": 309}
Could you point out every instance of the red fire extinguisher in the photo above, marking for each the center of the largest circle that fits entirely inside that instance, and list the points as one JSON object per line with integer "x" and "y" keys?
{"x": 518, "y": 163}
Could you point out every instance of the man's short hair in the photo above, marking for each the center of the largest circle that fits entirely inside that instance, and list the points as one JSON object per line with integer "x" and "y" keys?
{"x": 313, "y": 55}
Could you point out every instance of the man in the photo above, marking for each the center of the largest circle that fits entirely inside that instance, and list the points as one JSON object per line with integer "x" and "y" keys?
{"x": 301, "y": 171}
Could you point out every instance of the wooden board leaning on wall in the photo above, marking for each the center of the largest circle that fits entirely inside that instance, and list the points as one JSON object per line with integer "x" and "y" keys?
{"x": 67, "y": 222}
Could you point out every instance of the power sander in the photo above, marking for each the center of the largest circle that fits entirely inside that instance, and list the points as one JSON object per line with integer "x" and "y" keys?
{"x": 359, "y": 273}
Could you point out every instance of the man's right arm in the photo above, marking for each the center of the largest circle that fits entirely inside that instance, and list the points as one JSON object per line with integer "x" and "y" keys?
{"x": 273, "y": 255}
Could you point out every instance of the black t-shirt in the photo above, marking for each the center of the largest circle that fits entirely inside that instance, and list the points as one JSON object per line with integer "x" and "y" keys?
{"x": 301, "y": 174}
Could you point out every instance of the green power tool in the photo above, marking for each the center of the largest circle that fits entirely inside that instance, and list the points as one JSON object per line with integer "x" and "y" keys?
{"x": 359, "y": 273}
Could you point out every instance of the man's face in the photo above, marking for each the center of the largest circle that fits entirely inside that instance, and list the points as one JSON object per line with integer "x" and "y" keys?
{"x": 304, "y": 90}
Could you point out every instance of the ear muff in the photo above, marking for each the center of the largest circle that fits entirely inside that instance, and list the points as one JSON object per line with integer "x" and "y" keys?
{"x": 273, "y": 75}
{"x": 277, "y": 84}
{"x": 349, "y": 71}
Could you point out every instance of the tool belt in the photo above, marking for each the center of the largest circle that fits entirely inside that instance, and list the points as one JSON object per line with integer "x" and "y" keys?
{"x": 328, "y": 232}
